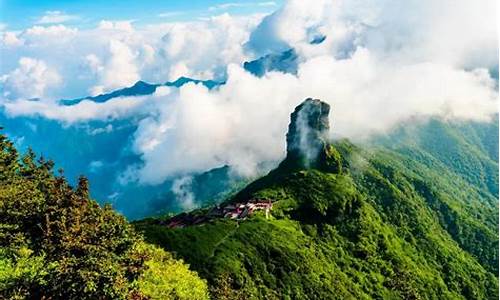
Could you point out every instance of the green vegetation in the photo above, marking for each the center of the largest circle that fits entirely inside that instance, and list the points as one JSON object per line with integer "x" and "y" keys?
{"x": 57, "y": 243}
{"x": 412, "y": 216}
{"x": 411, "y": 219}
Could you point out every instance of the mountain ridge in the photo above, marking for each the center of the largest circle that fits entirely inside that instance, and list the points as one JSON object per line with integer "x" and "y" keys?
{"x": 387, "y": 224}
{"x": 141, "y": 88}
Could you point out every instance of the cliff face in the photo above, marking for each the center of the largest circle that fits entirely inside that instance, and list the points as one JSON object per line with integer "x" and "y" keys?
{"x": 308, "y": 130}
{"x": 307, "y": 135}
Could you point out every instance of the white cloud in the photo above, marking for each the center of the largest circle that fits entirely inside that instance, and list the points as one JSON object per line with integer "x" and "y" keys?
{"x": 29, "y": 80}
{"x": 462, "y": 33}
{"x": 107, "y": 129}
{"x": 154, "y": 53}
{"x": 244, "y": 123}
{"x": 48, "y": 36}
{"x": 170, "y": 14}
{"x": 86, "y": 110}
{"x": 94, "y": 63}
{"x": 54, "y": 30}
{"x": 182, "y": 189}
{"x": 220, "y": 37}
{"x": 120, "y": 68}
{"x": 10, "y": 39}
{"x": 55, "y": 16}
{"x": 383, "y": 61}
{"x": 116, "y": 25}
{"x": 364, "y": 69}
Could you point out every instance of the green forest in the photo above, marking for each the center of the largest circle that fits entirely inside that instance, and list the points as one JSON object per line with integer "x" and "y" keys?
{"x": 410, "y": 215}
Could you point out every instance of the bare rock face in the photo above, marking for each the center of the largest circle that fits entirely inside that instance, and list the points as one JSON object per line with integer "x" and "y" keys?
{"x": 308, "y": 129}
{"x": 307, "y": 137}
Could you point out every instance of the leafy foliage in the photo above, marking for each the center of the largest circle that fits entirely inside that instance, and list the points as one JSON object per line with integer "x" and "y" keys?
{"x": 55, "y": 242}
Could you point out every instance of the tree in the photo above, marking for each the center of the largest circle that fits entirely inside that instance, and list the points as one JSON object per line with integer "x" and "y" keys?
{"x": 56, "y": 242}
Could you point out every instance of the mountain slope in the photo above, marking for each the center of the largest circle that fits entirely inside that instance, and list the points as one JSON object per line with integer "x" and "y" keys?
{"x": 386, "y": 223}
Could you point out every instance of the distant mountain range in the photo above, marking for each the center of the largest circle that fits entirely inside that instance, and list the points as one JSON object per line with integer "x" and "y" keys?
{"x": 141, "y": 88}
{"x": 286, "y": 62}
{"x": 103, "y": 148}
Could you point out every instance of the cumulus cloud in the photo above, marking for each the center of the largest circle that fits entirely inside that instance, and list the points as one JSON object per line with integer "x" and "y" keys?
{"x": 55, "y": 16}
{"x": 119, "y": 70}
{"x": 10, "y": 39}
{"x": 461, "y": 32}
{"x": 87, "y": 57}
{"x": 38, "y": 37}
{"x": 244, "y": 122}
{"x": 364, "y": 71}
{"x": 116, "y": 25}
{"x": 29, "y": 80}
{"x": 49, "y": 31}
{"x": 289, "y": 26}
{"x": 203, "y": 49}
{"x": 48, "y": 36}
{"x": 382, "y": 62}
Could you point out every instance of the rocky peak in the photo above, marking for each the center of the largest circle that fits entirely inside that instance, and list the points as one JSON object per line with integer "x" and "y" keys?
{"x": 308, "y": 130}
{"x": 307, "y": 139}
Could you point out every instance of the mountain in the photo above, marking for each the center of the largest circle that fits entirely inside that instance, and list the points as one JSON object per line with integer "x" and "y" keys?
{"x": 105, "y": 151}
{"x": 412, "y": 215}
{"x": 204, "y": 189}
{"x": 286, "y": 62}
{"x": 105, "y": 148}
{"x": 141, "y": 88}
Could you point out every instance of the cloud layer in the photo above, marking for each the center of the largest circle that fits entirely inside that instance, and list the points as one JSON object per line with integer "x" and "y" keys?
{"x": 115, "y": 54}
{"x": 382, "y": 62}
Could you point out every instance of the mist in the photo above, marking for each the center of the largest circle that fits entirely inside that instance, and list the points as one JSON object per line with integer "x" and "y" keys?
{"x": 382, "y": 62}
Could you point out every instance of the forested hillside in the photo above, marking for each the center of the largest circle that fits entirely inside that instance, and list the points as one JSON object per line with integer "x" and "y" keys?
{"x": 413, "y": 215}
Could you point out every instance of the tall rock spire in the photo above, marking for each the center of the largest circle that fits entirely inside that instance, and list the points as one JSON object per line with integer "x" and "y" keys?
{"x": 308, "y": 129}
{"x": 307, "y": 137}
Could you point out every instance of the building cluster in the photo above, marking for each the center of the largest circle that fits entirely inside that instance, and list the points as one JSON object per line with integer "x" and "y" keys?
{"x": 236, "y": 211}
{"x": 241, "y": 211}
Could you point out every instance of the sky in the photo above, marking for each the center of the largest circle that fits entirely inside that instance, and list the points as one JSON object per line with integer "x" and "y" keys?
{"x": 382, "y": 62}
{"x": 19, "y": 14}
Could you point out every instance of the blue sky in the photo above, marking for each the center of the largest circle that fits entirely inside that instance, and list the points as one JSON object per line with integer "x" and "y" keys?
{"x": 19, "y": 14}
